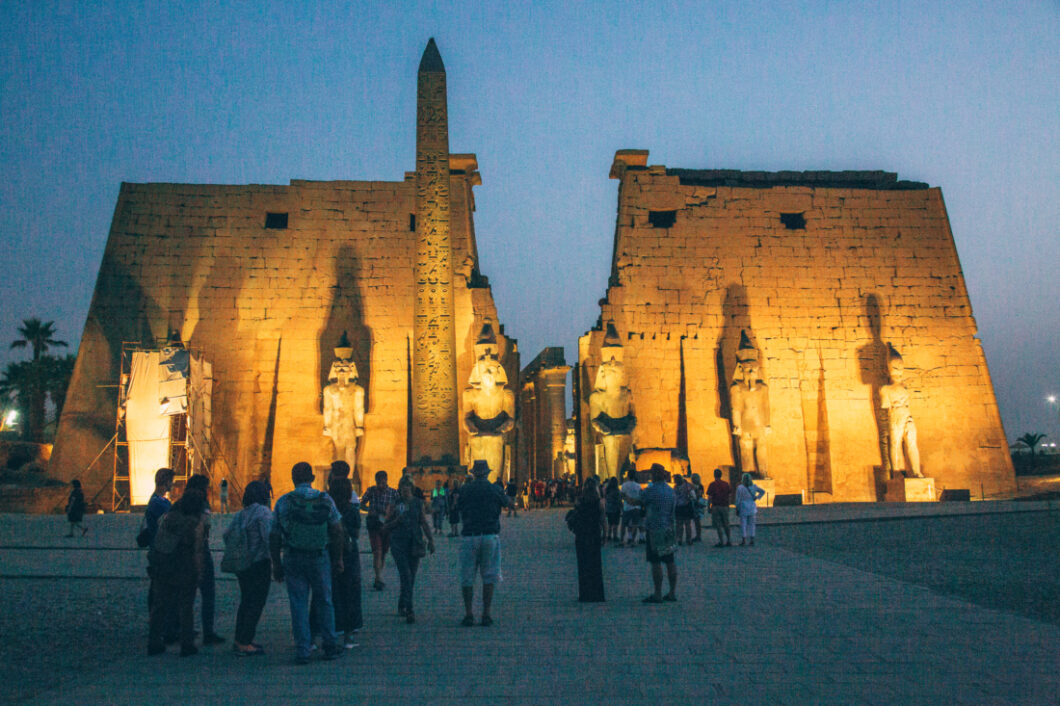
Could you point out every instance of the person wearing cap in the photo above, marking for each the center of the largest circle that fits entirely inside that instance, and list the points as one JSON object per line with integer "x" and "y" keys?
{"x": 480, "y": 504}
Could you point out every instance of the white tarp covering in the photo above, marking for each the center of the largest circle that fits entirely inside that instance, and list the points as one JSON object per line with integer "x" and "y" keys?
{"x": 173, "y": 381}
{"x": 146, "y": 428}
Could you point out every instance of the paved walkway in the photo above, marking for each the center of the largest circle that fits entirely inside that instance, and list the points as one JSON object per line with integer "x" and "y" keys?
{"x": 754, "y": 625}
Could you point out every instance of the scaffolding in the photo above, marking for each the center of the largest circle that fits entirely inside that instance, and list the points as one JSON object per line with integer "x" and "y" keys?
{"x": 179, "y": 441}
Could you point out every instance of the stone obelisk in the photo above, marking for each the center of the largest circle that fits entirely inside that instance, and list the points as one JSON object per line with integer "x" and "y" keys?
{"x": 435, "y": 399}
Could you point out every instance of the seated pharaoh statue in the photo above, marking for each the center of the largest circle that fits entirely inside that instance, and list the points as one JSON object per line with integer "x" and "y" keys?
{"x": 749, "y": 397}
{"x": 894, "y": 400}
{"x": 344, "y": 405}
{"x": 489, "y": 407}
{"x": 611, "y": 406}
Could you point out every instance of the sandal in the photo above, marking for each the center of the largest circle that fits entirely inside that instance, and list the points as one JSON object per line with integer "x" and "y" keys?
{"x": 652, "y": 599}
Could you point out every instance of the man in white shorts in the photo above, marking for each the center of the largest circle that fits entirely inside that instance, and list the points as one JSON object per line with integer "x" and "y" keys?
{"x": 480, "y": 504}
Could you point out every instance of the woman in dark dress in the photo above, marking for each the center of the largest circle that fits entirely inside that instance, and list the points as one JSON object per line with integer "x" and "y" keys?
{"x": 346, "y": 585}
{"x": 587, "y": 520}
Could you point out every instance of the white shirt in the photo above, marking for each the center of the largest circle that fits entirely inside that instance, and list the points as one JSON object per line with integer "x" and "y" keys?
{"x": 630, "y": 488}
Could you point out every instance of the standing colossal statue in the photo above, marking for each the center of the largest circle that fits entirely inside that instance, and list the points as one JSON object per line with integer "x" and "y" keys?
{"x": 611, "y": 407}
{"x": 894, "y": 400}
{"x": 749, "y": 397}
{"x": 344, "y": 405}
{"x": 489, "y": 407}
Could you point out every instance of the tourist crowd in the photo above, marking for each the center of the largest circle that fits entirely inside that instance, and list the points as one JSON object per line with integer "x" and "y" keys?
{"x": 308, "y": 540}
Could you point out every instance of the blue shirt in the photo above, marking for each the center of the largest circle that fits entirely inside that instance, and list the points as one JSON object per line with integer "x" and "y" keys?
{"x": 283, "y": 507}
{"x": 480, "y": 504}
{"x": 659, "y": 501}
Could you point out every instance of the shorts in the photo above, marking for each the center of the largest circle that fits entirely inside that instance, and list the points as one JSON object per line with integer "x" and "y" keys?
{"x": 613, "y": 517}
{"x": 379, "y": 540}
{"x": 631, "y": 518}
{"x": 480, "y": 554}
{"x": 684, "y": 512}
{"x": 654, "y": 558}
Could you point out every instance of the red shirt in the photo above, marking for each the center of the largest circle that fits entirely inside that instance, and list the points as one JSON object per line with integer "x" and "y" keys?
{"x": 719, "y": 492}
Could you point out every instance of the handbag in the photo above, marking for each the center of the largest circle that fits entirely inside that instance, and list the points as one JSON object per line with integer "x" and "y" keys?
{"x": 236, "y": 557}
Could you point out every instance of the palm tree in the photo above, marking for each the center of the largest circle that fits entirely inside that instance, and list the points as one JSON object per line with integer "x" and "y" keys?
{"x": 1031, "y": 440}
{"x": 37, "y": 334}
{"x": 26, "y": 381}
{"x": 57, "y": 373}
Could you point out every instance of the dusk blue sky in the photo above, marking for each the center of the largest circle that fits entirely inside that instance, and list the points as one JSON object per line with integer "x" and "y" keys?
{"x": 962, "y": 95}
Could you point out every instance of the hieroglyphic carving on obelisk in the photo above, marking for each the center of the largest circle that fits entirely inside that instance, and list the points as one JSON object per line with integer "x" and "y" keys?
{"x": 434, "y": 430}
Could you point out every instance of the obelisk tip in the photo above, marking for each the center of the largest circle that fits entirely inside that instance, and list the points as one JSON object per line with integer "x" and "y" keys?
{"x": 432, "y": 61}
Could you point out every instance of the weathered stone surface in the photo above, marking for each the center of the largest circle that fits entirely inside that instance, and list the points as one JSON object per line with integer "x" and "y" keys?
{"x": 266, "y": 305}
{"x": 873, "y": 263}
{"x": 434, "y": 434}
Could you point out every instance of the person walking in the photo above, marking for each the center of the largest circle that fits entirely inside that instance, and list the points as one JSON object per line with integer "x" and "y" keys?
{"x": 659, "y": 502}
{"x": 306, "y": 529}
{"x": 438, "y": 505}
{"x": 613, "y": 509}
{"x": 512, "y": 491}
{"x": 480, "y": 508}
{"x": 454, "y": 511}
{"x": 698, "y": 503}
{"x": 684, "y": 511}
{"x": 223, "y": 495}
{"x": 255, "y": 521}
{"x": 631, "y": 512}
{"x": 718, "y": 494}
{"x": 746, "y": 495}
{"x": 174, "y": 564}
{"x": 588, "y": 516}
{"x": 407, "y": 525}
{"x": 207, "y": 586}
{"x": 75, "y": 508}
{"x": 377, "y": 501}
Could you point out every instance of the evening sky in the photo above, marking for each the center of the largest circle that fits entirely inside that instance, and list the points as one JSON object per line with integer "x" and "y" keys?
{"x": 962, "y": 95}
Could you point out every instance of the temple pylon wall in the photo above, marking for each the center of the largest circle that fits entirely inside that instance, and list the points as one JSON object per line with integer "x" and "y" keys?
{"x": 824, "y": 271}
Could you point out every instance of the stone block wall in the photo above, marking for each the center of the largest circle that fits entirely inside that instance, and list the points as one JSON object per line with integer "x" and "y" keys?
{"x": 863, "y": 261}
{"x": 266, "y": 306}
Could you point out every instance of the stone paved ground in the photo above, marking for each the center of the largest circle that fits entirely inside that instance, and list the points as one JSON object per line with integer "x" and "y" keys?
{"x": 822, "y": 611}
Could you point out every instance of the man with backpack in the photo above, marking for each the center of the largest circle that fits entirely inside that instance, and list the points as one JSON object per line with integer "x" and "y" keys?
{"x": 306, "y": 541}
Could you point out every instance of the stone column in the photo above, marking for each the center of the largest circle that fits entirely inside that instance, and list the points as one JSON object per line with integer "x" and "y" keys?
{"x": 544, "y": 395}
{"x": 435, "y": 398}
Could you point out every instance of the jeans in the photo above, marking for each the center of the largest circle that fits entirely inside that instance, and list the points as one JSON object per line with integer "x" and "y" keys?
{"x": 206, "y": 588}
{"x": 400, "y": 549}
{"x": 307, "y": 573}
{"x": 719, "y": 517}
{"x": 253, "y": 592}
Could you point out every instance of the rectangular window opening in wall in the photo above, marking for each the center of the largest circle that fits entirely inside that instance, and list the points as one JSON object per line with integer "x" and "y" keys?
{"x": 276, "y": 221}
{"x": 793, "y": 221}
{"x": 662, "y": 219}
{"x": 412, "y": 222}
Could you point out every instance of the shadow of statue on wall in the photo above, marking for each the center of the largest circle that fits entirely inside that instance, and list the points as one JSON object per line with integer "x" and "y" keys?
{"x": 821, "y": 470}
{"x": 872, "y": 364}
{"x": 737, "y": 317}
{"x": 346, "y": 315}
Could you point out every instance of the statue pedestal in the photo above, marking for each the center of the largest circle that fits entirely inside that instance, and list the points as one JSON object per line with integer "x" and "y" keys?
{"x": 910, "y": 490}
{"x": 770, "y": 486}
